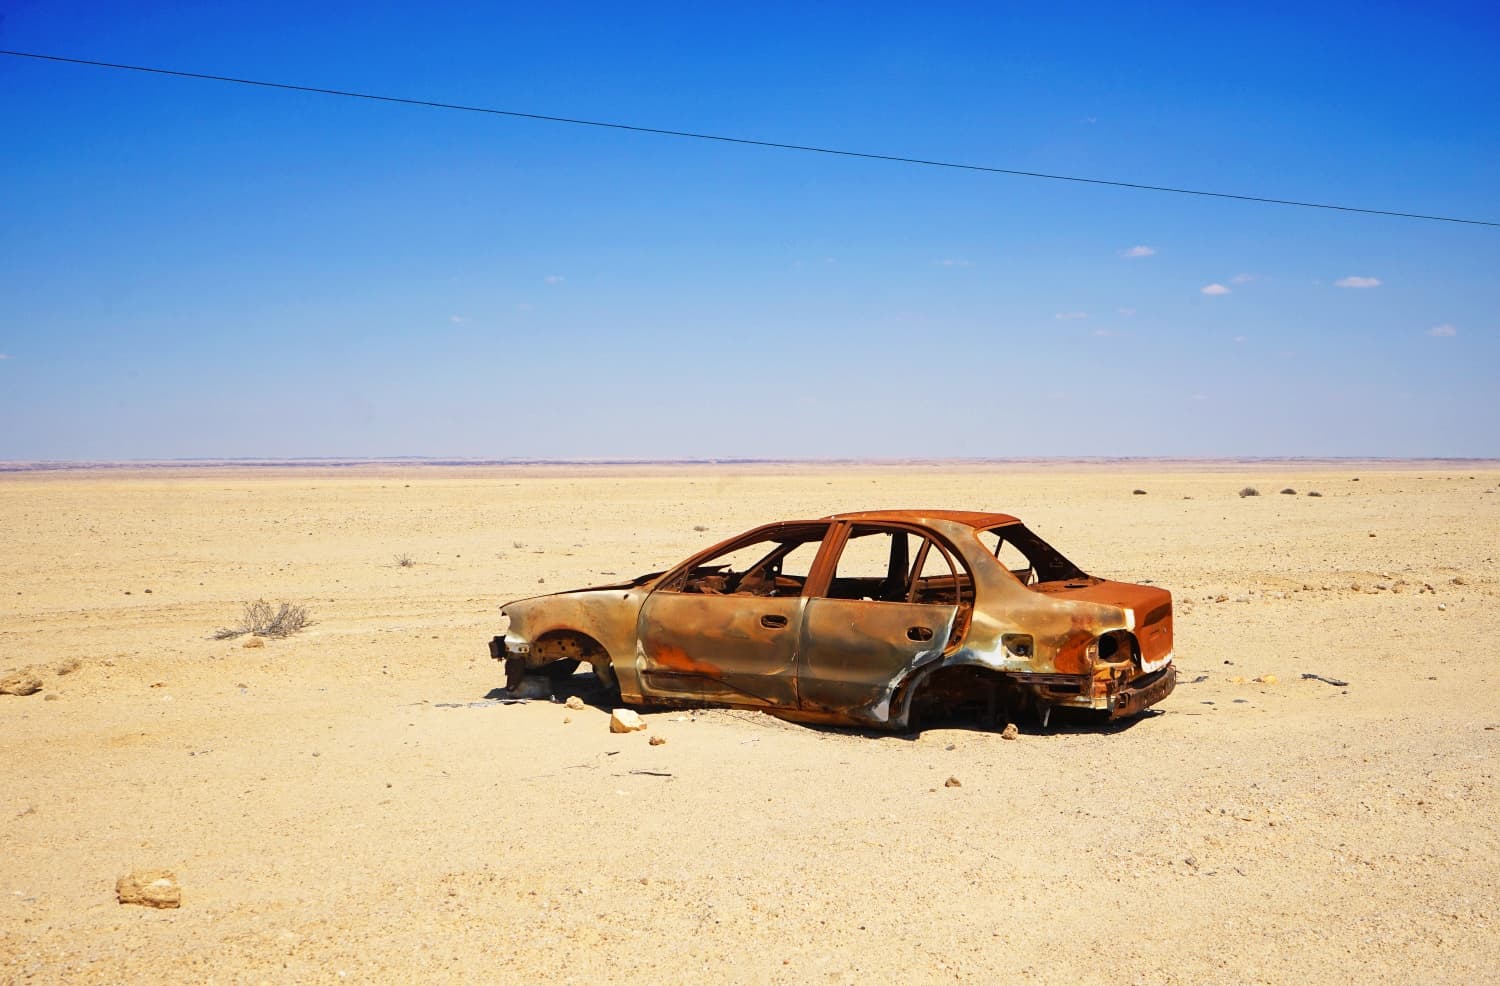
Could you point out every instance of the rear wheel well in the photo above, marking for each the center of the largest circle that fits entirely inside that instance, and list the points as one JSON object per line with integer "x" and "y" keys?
{"x": 966, "y": 694}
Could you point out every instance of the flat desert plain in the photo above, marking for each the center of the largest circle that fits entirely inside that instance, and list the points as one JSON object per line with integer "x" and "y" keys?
{"x": 336, "y": 809}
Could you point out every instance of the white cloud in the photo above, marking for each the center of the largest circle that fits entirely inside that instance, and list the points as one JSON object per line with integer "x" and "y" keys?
{"x": 1200, "y": 397}
{"x": 1242, "y": 279}
{"x": 955, "y": 263}
{"x": 1139, "y": 251}
{"x": 1127, "y": 312}
{"x": 1239, "y": 338}
{"x": 459, "y": 319}
{"x": 1358, "y": 282}
{"x": 1090, "y": 119}
{"x": 1444, "y": 331}
{"x": 554, "y": 279}
{"x": 4, "y": 355}
{"x": 1070, "y": 316}
{"x": 1214, "y": 289}
{"x": 1104, "y": 333}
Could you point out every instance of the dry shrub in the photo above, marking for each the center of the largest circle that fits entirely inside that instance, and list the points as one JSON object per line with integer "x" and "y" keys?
{"x": 405, "y": 561}
{"x": 1249, "y": 491}
{"x": 1137, "y": 492}
{"x": 1289, "y": 492}
{"x": 1313, "y": 493}
{"x": 266, "y": 620}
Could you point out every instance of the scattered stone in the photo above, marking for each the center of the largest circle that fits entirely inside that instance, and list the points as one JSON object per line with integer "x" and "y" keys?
{"x": 567, "y": 719}
{"x": 625, "y": 721}
{"x": 658, "y": 740}
{"x": 1313, "y": 493}
{"x": 1266, "y": 679}
{"x": 1010, "y": 731}
{"x": 23, "y": 682}
{"x": 69, "y": 666}
{"x": 1288, "y": 492}
{"x": 1221, "y": 598}
{"x": 1137, "y": 492}
{"x": 149, "y": 888}
{"x": 51, "y": 697}
{"x": 574, "y": 702}
{"x": 1442, "y": 607}
{"x": 953, "y": 782}
{"x": 1458, "y": 580}
{"x": 253, "y": 642}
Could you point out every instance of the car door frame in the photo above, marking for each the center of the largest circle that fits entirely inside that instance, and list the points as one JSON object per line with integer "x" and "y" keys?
{"x": 728, "y": 649}
{"x": 844, "y": 670}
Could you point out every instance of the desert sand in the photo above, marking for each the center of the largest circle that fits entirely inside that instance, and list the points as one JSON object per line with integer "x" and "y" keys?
{"x": 336, "y": 810}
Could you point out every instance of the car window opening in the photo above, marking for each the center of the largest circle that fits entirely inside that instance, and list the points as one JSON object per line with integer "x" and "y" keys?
{"x": 1027, "y": 557}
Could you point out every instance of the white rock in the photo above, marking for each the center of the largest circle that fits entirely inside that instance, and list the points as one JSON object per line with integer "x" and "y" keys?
{"x": 625, "y": 721}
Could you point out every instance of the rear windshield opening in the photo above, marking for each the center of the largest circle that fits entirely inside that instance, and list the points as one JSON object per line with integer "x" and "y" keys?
{"x": 1027, "y": 556}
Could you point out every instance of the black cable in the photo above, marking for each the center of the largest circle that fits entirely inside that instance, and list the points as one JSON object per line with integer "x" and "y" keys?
{"x": 742, "y": 140}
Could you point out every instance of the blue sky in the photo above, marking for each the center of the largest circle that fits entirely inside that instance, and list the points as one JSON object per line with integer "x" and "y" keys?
{"x": 192, "y": 269}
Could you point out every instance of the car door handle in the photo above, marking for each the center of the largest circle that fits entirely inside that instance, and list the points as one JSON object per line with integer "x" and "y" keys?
{"x": 918, "y": 633}
{"x": 773, "y": 621}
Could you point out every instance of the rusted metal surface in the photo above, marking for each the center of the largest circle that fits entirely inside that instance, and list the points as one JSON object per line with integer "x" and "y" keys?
{"x": 869, "y": 618}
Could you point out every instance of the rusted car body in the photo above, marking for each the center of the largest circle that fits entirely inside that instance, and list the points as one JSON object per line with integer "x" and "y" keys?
{"x": 880, "y": 619}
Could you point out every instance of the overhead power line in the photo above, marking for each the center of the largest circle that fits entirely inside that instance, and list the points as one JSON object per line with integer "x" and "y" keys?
{"x": 745, "y": 141}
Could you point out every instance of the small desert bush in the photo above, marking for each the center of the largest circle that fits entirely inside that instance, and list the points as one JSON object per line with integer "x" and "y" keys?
{"x": 266, "y": 620}
{"x": 1137, "y": 492}
{"x": 1249, "y": 491}
{"x": 1313, "y": 493}
{"x": 405, "y": 561}
{"x": 700, "y": 528}
{"x": 1289, "y": 492}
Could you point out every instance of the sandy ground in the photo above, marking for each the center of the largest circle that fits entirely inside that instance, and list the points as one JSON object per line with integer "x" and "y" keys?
{"x": 336, "y": 811}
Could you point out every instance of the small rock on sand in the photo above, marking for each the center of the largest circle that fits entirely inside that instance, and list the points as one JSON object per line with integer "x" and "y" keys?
{"x": 625, "y": 721}
{"x": 953, "y": 782}
{"x": 149, "y": 888}
{"x": 574, "y": 702}
{"x": 253, "y": 642}
{"x": 24, "y": 682}
{"x": 69, "y": 666}
{"x": 1010, "y": 731}
{"x": 658, "y": 740}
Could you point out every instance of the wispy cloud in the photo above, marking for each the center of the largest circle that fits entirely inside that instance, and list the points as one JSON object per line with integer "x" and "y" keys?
{"x": 459, "y": 319}
{"x": 554, "y": 279}
{"x": 1104, "y": 333}
{"x": 1242, "y": 278}
{"x": 1069, "y": 316}
{"x": 1240, "y": 339}
{"x": 1444, "y": 331}
{"x": 1200, "y": 397}
{"x": 4, "y": 355}
{"x": 1214, "y": 289}
{"x": 1127, "y": 312}
{"x": 1139, "y": 251}
{"x": 954, "y": 263}
{"x": 1354, "y": 281}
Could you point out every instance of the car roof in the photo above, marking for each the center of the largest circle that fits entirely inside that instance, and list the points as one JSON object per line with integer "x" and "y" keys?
{"x": 977, "y": 519}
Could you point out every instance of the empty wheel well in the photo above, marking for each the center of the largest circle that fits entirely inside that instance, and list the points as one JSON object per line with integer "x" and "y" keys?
{"x": 574, "y": 647}
{"x": 965, "y": 693}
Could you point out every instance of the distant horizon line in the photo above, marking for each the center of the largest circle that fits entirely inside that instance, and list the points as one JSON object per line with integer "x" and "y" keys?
{"x": 56, "y": 465}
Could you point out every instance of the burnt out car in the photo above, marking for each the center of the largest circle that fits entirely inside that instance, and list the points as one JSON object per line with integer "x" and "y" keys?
{"x": 884, "y": 619}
